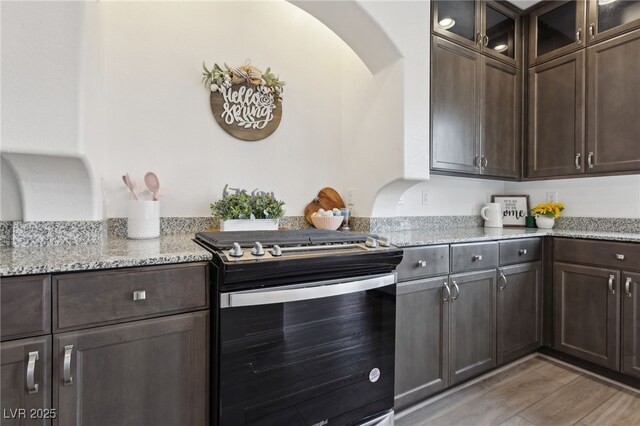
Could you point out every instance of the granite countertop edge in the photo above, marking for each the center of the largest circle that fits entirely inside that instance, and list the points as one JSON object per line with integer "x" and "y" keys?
{"x": 416, "y": 238}
{"x": 124, "y": 253}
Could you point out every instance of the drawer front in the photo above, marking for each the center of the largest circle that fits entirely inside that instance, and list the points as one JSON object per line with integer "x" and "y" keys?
{"x": 474, "y": 256}
{"x": 604, "y": 253}
{"x": 520, "y": 251}
{"x": 25, "y": 306}
{"x": 96, "y": 298}
{"x": 420, "y": 262}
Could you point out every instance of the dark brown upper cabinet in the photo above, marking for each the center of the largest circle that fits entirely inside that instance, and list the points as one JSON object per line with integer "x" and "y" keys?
{"x": 556, "y": 117}
{"x": 483, "y": 26}
{"x": 475, "y": 113}
{"x": 556, "y": 29}
{"x": 607, "y": 18}
{"x": 613, "y": 99}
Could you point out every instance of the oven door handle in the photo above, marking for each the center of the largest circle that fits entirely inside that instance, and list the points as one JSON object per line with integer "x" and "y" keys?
{"x": 297, "y": 293}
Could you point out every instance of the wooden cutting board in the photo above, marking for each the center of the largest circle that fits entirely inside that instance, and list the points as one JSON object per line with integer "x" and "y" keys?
{"x": 328, "y": 199}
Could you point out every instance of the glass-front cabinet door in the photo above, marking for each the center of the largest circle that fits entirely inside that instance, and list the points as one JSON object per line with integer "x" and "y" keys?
{"x": 458, "y": 21}
{"x": 556, "y": 29}
{"x": 500, "y": 28}
{"x": 607, "y": 18}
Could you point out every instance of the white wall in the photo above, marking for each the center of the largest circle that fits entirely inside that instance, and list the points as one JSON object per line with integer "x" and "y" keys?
{"x": 40, "y": 76}
{"x": 448, "y": 196}
{"x": 614, "y": 196}
{"x": 158, "y": 114}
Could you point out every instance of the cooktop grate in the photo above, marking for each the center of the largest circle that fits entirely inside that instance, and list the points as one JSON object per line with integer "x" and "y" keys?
{"x": 285, "y": 238}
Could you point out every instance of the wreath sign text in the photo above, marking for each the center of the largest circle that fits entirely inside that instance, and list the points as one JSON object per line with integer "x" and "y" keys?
{"x": 245, "y": 102}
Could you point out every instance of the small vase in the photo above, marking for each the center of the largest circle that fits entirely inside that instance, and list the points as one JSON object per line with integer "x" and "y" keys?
{"x": 143, "y": 221}
{"x": 544, "y": 222}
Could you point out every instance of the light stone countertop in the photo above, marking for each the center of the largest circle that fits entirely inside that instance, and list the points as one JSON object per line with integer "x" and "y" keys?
{"x": 424, "y": 237}
{"x": 114, "y": 253}
{"x": 119, "y": 252}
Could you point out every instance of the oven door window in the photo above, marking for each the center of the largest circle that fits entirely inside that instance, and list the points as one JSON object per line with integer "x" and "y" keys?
{"x": 311, "y": 362}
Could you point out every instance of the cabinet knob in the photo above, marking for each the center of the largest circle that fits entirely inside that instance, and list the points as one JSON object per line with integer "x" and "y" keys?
{"x": 476, "y": 257}
{"x": 620, "y": 256}
{"x": 522, "y": 252}
{"x": 422, "y": 263}
{"x": 139, "y": 295}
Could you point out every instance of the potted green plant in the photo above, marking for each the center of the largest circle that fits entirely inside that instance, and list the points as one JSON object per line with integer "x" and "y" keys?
{"x": 239, "y": 210}
{"x": 546, "y": 214}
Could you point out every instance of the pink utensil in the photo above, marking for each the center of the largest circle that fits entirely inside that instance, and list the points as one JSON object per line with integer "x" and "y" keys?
{"x": 129, "y": 184}
{"x": 153, "y": 184}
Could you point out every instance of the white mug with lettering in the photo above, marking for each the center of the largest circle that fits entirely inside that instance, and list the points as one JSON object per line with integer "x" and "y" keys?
{"x": 492, "y": 215}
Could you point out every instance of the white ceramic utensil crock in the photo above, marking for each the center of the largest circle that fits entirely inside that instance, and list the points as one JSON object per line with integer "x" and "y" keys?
{"x": 143, "y": 220}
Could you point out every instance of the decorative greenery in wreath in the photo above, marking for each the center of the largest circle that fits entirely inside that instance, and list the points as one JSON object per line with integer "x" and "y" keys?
{"x": 245, "y": 102}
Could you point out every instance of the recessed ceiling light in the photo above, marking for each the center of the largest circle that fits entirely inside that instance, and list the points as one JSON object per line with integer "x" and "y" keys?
{"x": 501, "y": 48}
{"x": 446, "y": 23}
{"x": 603, "y": 2}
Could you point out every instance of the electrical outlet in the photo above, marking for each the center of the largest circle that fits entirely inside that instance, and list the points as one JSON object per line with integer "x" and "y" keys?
{"x": 350, "y": 196}
{"x": 425, "y": 197}
{"x": 552, "y": 197}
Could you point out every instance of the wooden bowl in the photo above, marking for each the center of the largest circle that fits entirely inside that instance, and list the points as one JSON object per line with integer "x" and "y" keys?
{"x": 327, "y": 222}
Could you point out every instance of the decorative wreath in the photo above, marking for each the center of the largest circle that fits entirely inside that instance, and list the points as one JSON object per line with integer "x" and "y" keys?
{"x": 219, "y": 79}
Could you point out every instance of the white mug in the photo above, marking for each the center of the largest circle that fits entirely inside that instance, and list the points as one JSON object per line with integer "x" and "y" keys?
{"x": 492, "y": 215}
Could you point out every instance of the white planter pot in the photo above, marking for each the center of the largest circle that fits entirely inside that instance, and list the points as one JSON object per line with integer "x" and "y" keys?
{"x": 544, "y": 222}
{"x": 249, "y": 225}
{"x": 143, "y": 220}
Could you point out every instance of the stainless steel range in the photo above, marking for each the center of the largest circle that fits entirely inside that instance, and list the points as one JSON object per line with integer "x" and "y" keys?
{"x": 305, "y": 328}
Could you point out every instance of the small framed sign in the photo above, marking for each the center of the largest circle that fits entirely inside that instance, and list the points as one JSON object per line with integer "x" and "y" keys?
{"x": 515, "y": 209}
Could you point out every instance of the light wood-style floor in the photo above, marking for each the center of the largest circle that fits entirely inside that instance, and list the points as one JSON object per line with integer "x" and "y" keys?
{"x": 536, "y": 392}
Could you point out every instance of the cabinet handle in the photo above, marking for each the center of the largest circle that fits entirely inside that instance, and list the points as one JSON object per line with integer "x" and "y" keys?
{"x": 627, "y": 287}
{"x": 578, "y": 167}
{"x": 66, "y": 366}
{"x": 485, "y": 40}
{"x": 476, "y": 257}
{"x": 579, "y": 36}
{"x": 522, "y": 252}
{"x": 590, "y": 160}
{"x": 479, "y": 38}
{"x": 476, "y": 161}
{"x": 448, "y": 290}
{"x": 503, "y": 278}
{"x": 455, "y": 284}
{"x": 620, "y": 256}
{"x": 139, "y": 295}
{"x": 32, "y": 386}
{"x": 611, "y": 289}
{"x": 484, "y": 162}
{"x": 592, "y": 31}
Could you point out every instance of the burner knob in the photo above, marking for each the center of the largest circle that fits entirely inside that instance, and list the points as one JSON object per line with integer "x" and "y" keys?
{"x": 384, "y": 241}
{"x": 257, "y": 249}
{"x": 276, "y": 251}
{"x": 236, "y": 250}
{"x": 371, "y": 242}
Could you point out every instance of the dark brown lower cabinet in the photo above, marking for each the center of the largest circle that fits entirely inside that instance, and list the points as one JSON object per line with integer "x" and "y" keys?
{"x": 422, "y": 324}
{"x": 519, "y": 317}
{"x": 472, "y": 324}
{"x": 587, "y": 313}
{"x": 25, "y": 378}
{"x": 631, "y": 324}
{"x": 152, "y": 372}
